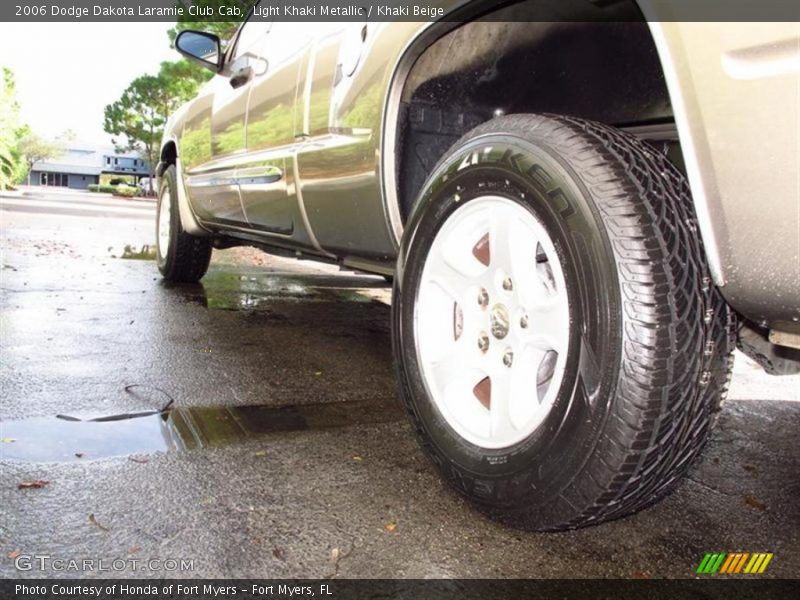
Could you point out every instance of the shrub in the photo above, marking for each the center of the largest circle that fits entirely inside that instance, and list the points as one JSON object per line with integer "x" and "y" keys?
{"x": 102, "y": 189}
{"x": 125, "y": 191}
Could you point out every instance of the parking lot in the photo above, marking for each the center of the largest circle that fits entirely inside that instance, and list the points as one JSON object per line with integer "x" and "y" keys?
{"x": 287, "y": 454}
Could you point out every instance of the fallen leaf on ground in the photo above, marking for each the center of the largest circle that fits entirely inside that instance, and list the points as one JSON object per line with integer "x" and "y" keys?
{"x": 94, "y": 521}
{"x": 14, "y": 554}
{"x": 34, "y": 484}
{"x": 137, "y": 460}
{"x": 391, "y": 527}
{"x": 279, "y": 553}
{"x": 318, "y": 373}
{"x": 755, "y": 503}
{"x": 260, "y": 453}
{"x": 358, "y": 458}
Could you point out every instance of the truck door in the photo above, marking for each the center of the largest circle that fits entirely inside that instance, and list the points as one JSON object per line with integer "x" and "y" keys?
{"x": 221, "y": 117}
{"x": 266, "y": 176}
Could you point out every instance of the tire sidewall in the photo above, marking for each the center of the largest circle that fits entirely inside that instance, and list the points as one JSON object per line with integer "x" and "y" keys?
{"x": 536, "y": 178}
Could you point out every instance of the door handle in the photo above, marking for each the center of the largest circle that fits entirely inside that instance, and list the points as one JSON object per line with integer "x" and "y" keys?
{"x": 246, "y": 67}
{"x": 241, "y": 77}
{"x": 259, "y": 176}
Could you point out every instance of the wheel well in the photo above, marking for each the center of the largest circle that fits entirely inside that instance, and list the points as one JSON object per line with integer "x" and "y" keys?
{"x": 169, "y": 156}
{"x": 507, "y": 62}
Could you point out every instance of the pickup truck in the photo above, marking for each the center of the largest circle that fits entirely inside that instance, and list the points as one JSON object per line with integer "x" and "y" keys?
{"x": 582, "y": 217}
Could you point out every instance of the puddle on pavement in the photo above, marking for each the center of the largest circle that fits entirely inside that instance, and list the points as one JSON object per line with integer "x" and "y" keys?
{"x": 130, "y": 252}
{"x": 54, "y": 439}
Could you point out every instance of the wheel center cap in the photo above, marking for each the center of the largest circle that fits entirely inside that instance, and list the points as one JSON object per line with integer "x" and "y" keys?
{"x": 499, "y": 321}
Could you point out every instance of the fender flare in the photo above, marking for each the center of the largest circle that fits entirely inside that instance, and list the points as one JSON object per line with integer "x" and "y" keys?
{"x": 189, "y": 221}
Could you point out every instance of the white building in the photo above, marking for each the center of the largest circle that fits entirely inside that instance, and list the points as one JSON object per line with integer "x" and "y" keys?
{"x": 82, "y": 164}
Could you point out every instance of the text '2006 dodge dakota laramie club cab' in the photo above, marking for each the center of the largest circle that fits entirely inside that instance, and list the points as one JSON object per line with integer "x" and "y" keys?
{"x": 582, "y": 217}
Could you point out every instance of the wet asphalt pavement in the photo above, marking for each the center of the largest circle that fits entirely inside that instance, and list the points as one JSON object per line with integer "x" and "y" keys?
{"x": 287, "y": 454}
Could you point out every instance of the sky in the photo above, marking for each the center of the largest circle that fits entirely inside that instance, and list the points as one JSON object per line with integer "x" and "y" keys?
{"x": 66, "y": 75}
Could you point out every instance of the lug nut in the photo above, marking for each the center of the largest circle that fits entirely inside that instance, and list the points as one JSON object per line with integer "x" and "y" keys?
{"x": 483, "y": 298}
{"x": 508, "y": 358}
{"x": 507, "y": 284}
{"x": 523, "y": 322}
{"x": 483, "y": 343}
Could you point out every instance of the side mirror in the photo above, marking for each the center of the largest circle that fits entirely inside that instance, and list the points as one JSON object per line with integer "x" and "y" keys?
{"x": 201, "y": 47}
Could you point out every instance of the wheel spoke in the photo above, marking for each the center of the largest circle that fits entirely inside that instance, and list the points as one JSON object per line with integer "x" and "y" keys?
{"x": 548, "y": 326}
{"x": 463, "y": 359}
{"x": 447, "y": 276}
{"x": 512, "y": 250}
{"x": 500, "y": 231}
{"x": 500, "y": 408}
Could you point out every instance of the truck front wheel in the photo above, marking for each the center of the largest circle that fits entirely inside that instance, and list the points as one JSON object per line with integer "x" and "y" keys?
{"x": 182, "y": 257}
{"x": 561, "y": 349}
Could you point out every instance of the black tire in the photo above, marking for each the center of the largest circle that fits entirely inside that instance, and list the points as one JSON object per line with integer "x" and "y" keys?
{"x": 187, "y": 256}
{"x": 649, "y": 356}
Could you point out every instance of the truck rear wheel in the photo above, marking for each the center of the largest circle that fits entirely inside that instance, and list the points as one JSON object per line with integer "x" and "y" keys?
{"x": 182, "y": 257}
{"x": 560, "y": 347}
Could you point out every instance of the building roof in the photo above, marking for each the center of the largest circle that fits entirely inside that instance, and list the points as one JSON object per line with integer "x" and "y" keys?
{"x": 88, "y": 159}
{"x": 55, "y": 167}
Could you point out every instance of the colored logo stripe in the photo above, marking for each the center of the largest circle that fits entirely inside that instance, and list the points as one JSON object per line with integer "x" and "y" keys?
{"x": 758, "y": 563}
{"x": 732, "y": 558}
{"x": 711, "y": 563}
{"x": 734, "y": 563}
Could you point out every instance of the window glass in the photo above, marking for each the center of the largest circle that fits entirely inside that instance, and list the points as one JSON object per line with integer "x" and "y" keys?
{"x": 252, "y": 34}
{"x": 287, "y": 40}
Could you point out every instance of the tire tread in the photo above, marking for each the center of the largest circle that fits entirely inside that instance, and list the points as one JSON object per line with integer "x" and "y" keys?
{"x": 667, "y": 399}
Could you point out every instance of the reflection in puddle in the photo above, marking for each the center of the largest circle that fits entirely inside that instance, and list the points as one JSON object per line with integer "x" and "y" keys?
{"x": 225, "y": 290}
{"x": 129, "y": 252}
{"x": 49, "y": 439}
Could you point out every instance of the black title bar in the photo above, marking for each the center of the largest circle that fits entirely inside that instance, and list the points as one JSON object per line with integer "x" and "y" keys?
{"x": 398, "y": 10}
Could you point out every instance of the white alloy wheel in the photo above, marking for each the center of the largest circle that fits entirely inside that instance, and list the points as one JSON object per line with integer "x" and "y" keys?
{"x": 164, "y": 222}
{"x": 492, "y": 322}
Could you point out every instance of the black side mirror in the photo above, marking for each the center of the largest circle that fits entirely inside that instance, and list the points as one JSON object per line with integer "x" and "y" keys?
{"x": 201, "y": 47}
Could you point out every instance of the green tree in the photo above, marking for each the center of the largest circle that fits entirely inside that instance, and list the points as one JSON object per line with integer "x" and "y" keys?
{"x": 35, "y": 148}
{"x": 139, "y": 116}
{"x": 7, "y": 166}
{"x": 10, "y": 130}
{"x": 222, "y": 28}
